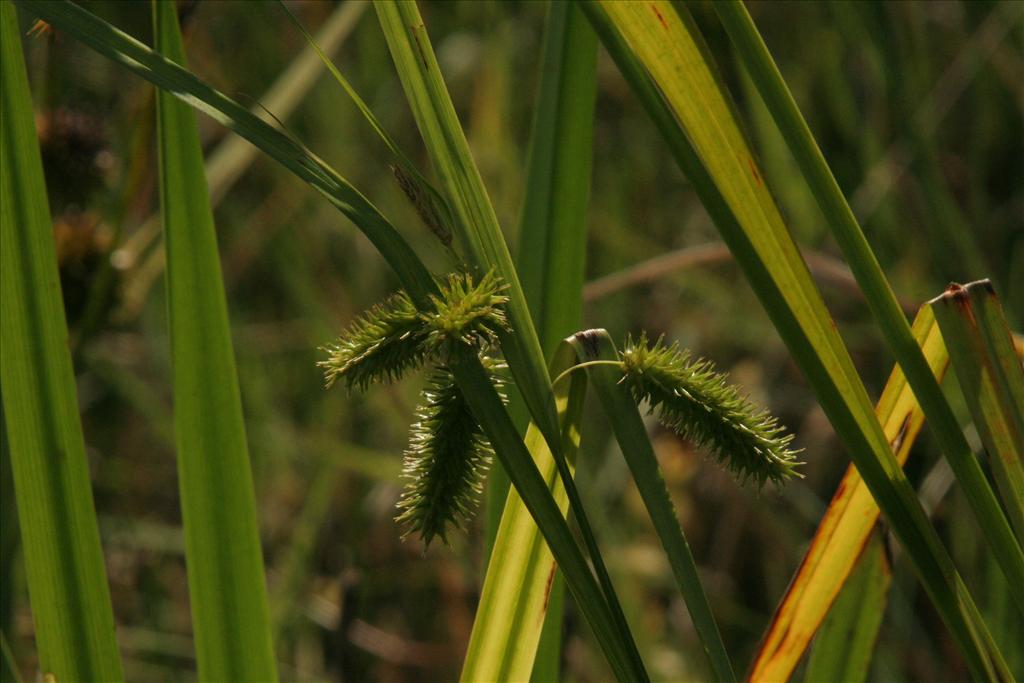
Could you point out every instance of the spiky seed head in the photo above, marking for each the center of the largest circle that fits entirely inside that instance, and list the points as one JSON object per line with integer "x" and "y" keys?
{"x": 447, "y": 457}
{"x": 693, "y": 400}
{"x": 467, "y": 312}
{"x": 394, "y": 337}
{"x": 380, "y": 345}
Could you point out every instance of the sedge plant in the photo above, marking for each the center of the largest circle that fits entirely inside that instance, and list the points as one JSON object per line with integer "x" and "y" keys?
{"x": 476, "y": 329}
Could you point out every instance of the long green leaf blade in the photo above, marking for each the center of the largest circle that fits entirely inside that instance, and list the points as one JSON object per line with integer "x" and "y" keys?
{"x": 664, "y": 59}
{"x": 881, "y": 300}
{"x": 520, "y": 575}
{"x": 475, "y": 222}
{"x": 476, "y": 225}
{"x": 230, "y": 618}
{"x": 992, "y": 382}
{"x": 526, "y": 478}
{"x": 551, "y": 251}
{"x": 624, "y": 417}
{"x": 67, "y": 583}
{"x": 552, "y": 237}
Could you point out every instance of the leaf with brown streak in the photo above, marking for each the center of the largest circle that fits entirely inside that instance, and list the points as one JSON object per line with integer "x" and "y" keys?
{"x": 846, "y": 525}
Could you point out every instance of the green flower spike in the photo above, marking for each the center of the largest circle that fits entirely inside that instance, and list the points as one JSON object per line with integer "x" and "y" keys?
{"x": 697, "y": 403}
{"x": 381, "y": 345}
{"x": 469, "y": 313}
{"x": 447, "y": 457}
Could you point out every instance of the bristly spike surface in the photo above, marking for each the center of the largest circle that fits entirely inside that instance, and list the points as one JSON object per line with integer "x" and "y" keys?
{"x": 697, "y": 403}
{"x": 382, "y": 344}
{"x": 469, "y": 313}
{"x": 447, "y": 457}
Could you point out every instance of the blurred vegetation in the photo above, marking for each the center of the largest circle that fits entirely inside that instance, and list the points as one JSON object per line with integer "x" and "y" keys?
{"x": 919, "y": 109}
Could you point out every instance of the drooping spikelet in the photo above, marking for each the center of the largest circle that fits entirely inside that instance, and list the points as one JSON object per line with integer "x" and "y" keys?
{"x": 468, "y": 312}
{"x": 693, "y": 400}
{"x": 380, "y": 345}
{"x": 447, "y": 457}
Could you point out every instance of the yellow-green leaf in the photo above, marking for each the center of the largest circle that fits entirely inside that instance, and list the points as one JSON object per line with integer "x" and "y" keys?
{"x": 846, "y": 525}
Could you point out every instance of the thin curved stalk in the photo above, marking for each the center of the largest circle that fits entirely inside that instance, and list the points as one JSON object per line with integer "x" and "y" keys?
{"x": 623, "y": 415}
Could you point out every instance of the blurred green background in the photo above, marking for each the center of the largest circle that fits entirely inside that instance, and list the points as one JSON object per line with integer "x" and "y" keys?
{"x": 919, "y": 109}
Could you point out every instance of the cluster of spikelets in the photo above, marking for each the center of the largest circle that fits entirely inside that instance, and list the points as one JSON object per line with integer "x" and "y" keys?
{"x": 697, "y": 403}
{"x": 447, "y": 456}
{"x": 448, "y": 453}
{"x": 394, "y": 337}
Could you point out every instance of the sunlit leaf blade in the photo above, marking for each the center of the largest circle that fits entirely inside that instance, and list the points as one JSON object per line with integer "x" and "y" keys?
{"x": 879, "y": 295}
{"x": 992, "y": 382}
{"x": 665, "y": 60}
{"x": 623, "y": 415}
{"x": 842, "y": 649}
{"x": 527, "y": 480}
{"x": 475, "y": 224}
{"x": 552, "y": 239}
{"x": 846, "y": 525}
{"x": 227, "y": 590}
{"x": 519, "y": 579}
{"x": 67, "y": 583}
{"x": 551, "y": 251}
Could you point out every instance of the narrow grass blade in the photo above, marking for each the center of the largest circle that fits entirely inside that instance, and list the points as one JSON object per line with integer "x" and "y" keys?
{"x": 881, "y": 300}
{"x": 992, "y": 382}
{"x": 846, "y": 525}
{"x": 411, "y": 172}
{"x": 475, "y": 223}
{"x": 624, "y": 417}
{"x": 414, "y": 276}
{"x": 8, "y": 667}
{"x": 552, "y": 232}
{"x": 842, "y": 650}
{"x": 666, "y": 62}
{"x": 476, "y": 226}
{"x": 228, "y": 161}
{"x": 551, "y": 251}
{"x": 520, "y": 573}
{"x": 67, "y": 583}
{"x": 133, "y": 55}
{"x": 551, "y": 248}
{"x": 516, "y": 460}
{"x": 227, "y": 590}
{"x": 10, "y": 536}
